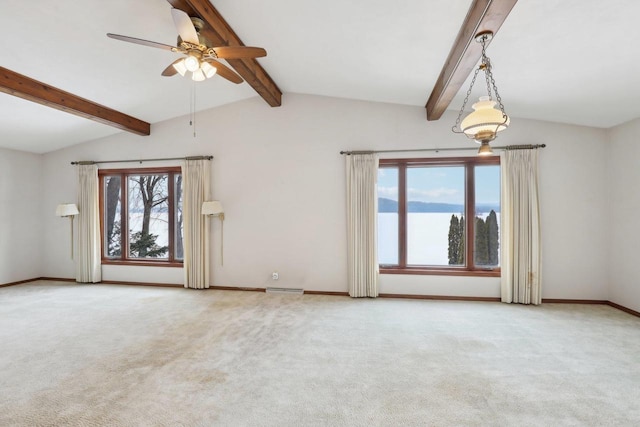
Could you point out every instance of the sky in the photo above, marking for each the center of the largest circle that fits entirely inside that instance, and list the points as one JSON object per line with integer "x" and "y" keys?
{"x": 441, "y": 184}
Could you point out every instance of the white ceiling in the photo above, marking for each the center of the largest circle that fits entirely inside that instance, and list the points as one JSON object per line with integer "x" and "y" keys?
{"x": 570, "y": 61}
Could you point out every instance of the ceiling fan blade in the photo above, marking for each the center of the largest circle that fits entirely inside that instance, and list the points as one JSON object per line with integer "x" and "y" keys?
{"x": 234, "y": 52}
{"x": 141, "y": 41}
{"x": 171, "y": 70}
{"x": 184, "y": 26}
{"x": 226, "y": 72}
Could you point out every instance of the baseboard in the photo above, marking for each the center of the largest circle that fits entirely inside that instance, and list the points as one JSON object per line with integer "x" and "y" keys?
{"x": 440, "y": 297}
{"x": 573, "y": 301}
{"x": 20, "y": 282}
{"x": 411, "y": 296}
{"x": 57, "y": 279}
{"x": 158, "y": 285}
{"x": 623, "y": 308}
{"x": 232, "y": 288}
{"x": 333, "y": 293}
{"x": 114, "y": 282}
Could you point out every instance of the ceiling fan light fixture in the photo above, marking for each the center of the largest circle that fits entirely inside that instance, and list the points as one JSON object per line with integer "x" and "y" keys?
{"x": 180, "y": 67}
{"x": 198, "y": 76}
{"x": 192, "y": 63}
{"x": 208, "y": 70}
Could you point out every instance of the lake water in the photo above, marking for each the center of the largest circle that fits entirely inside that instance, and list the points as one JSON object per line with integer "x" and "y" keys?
{"x": 427, "y": 234}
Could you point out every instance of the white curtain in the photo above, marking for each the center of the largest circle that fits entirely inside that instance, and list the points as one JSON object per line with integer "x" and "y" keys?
{"x": 196, "y": 176}
{"x": 520, "y": 242}
{"x": 88, "y": 263}
{"x": 362, "y": 215}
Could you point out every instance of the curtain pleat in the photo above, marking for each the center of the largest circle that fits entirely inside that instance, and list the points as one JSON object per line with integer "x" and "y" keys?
{"x": 88, "y": 263}
{"x": 196, "y": 176}
{"x": 362, "y": 215}
{"x": 521, "y": 266}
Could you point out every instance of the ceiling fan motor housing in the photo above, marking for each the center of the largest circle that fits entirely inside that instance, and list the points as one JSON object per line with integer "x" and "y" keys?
{"x": 198, "y": 24}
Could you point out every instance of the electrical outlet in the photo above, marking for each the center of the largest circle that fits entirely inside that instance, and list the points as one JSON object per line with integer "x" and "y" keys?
{"x": 275, "y": 275}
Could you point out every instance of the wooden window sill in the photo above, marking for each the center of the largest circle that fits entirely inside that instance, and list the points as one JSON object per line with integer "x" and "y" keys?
{"x": 440, "y": 272}
{"x": 143, "y": 263}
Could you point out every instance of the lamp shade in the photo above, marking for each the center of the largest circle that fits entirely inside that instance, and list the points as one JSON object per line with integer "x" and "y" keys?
{"x": 208, "y": 70}
{"x": 180, "y": 67}
{"x": 191, "y": 63}
{"x": 67, "y": 209}
{"x": 213, "y": 207}
{"x": 485, "y": 120}
{"x": 198, "y": 75}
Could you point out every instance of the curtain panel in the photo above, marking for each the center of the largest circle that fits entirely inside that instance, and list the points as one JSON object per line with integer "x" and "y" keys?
{"x": 196, "y": 176}
{"x": 362, "y": 215}
{"x": 88, "y": 264}
{"x": 520, "y": 241}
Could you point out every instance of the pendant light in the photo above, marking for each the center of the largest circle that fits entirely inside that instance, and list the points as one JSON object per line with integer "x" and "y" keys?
{"x": 484, "y": 123}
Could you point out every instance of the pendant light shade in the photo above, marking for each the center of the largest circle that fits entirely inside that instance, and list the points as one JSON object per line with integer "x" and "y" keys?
{"x": 485, "y": 149}
{"x": 485, "y": 121}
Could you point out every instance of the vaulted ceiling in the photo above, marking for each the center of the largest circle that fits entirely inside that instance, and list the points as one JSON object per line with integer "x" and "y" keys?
{"x": 569, "y": 61}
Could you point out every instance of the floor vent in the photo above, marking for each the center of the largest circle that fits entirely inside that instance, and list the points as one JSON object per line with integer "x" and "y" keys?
{"x": 285, "y": 291}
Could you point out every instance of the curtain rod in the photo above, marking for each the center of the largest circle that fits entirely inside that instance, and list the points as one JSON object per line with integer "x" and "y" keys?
{"x": 506, "y": 147}
{"x": 91, "y": 162}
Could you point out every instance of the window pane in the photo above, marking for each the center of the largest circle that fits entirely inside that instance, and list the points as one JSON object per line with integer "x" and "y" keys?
{"x": 435, "y": 204}
{"x": 112, "y": 209}
{"x": 179, "y": 251}
{"x": 148, "y": 216}
{"x": 487, "y": 221}
{"x": 388, "y": 216}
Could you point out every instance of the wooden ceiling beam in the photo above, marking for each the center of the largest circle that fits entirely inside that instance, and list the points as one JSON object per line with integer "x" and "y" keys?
{"x": 42, "y": 93}
{"x": 220, "y": 33}
{"x": 483, "y": 15}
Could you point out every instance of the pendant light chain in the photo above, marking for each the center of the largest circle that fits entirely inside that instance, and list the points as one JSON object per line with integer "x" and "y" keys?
{"x": 464, "y": 103}
{"x": 485, "y": 65}
{"x": 489, "y": 76}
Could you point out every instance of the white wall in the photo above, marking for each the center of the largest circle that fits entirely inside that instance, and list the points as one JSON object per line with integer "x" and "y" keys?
{"x": 20, "y": 212}
{"x": 624, "y": 206}
{"x": 280, "y": 176}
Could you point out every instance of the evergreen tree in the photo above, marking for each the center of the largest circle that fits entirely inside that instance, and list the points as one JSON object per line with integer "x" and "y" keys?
{"x": 144, "y": 245}
{"x": 463, "y": 241}
{"x": 454, "y": 240}
{"x": 481, "y": 247}
{"x": 493, "y": 239}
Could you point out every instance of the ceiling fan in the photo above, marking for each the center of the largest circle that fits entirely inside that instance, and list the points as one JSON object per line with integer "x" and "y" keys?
{"x": 200, "y": 57}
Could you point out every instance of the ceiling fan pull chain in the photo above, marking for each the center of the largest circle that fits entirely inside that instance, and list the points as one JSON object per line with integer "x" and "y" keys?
{"x": 192, "y": 112}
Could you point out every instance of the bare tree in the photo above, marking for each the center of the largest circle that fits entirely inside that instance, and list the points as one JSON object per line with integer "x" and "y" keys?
{"x": 179, "y": 245}
{"x": 152, "y": 192}
{"x": 113, "y": 227}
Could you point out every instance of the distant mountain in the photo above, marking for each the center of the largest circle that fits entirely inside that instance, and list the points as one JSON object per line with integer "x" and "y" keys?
{"x": 388, "y": 205}
{"x": 415, "y": 206}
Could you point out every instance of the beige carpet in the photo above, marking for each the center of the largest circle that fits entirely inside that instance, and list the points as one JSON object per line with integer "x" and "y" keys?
{"x": 94, "y": 355}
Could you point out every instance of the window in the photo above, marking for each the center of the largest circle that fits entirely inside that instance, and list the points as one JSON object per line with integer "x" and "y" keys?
{"x": 423, "y": 211}
{"x": 141, "y": 216}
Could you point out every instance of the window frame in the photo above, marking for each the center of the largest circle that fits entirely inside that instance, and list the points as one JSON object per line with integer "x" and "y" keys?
{"x": 124, "y": 259}
{"x": 470, "y": 269}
